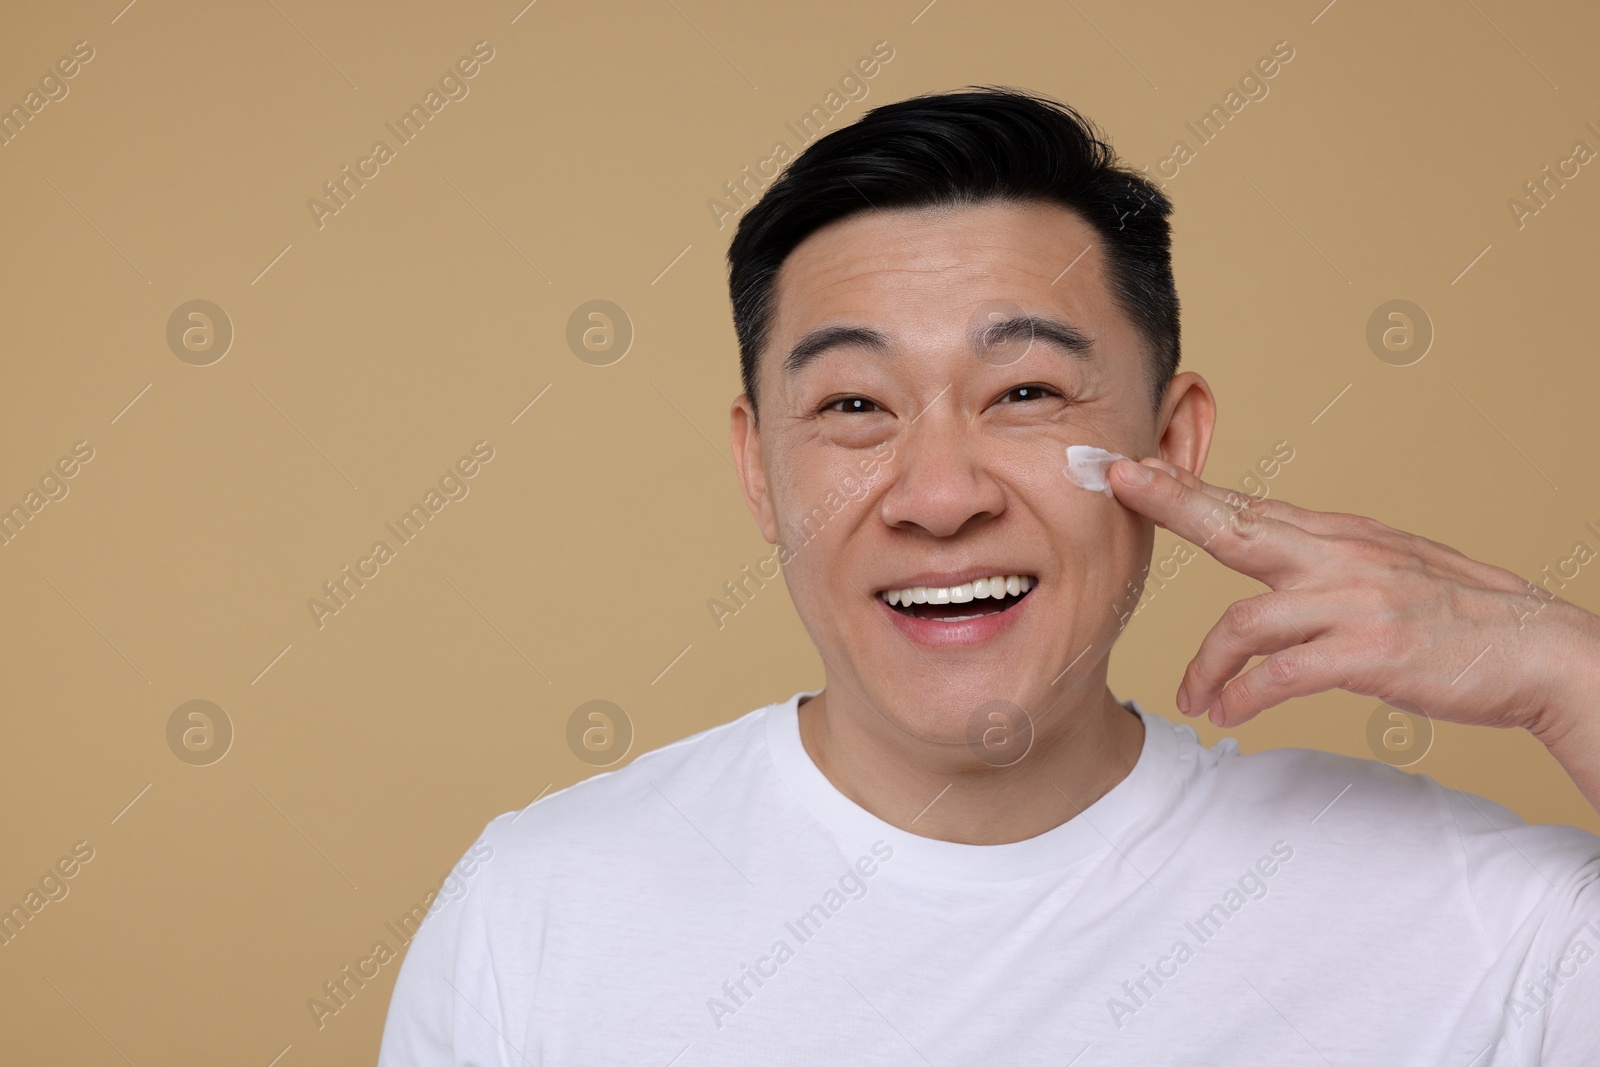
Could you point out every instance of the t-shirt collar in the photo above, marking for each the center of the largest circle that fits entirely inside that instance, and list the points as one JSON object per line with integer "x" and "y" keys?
{"x": 1096, "y": 828}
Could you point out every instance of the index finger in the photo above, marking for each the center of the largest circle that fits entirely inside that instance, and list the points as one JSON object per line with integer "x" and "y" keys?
{"x": 1222, "y": 522}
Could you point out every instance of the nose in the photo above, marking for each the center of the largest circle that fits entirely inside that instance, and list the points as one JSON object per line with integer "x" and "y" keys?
{"x": 942, "y": 483}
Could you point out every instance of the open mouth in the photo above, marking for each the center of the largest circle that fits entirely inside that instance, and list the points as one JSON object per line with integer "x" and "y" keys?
{"x": 960, "y": 603}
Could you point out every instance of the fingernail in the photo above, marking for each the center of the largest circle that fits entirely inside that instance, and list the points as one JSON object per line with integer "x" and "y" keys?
{"x": 1183, "y": 699}
{"x": 1163, "y": 464}
{"x": 1138, "y": 473}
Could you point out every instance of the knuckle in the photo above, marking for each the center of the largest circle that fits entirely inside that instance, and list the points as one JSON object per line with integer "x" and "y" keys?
{"x": 1243, "y": 617}
{"x": 1368, "y": 553}
{"x": 1240, "y": 696}
{"x": 1448, "y": 550}
{"x": 1283, "y": 668}
{"x": 1349, "y": 524}
{"x": 1244, "y": 524}
{"x": 1367, "y": 523}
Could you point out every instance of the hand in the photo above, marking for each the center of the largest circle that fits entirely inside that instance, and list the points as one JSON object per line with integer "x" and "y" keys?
{"x": 1357, "y": 605}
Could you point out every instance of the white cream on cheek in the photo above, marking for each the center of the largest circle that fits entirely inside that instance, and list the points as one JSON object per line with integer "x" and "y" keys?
{"x": 1088, "y": 468}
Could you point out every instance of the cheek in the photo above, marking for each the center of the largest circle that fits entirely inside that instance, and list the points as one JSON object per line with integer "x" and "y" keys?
{"x": 1093, "y": 543}
{"x": 1102, "y": 547}
{"x": 815, "y": 511}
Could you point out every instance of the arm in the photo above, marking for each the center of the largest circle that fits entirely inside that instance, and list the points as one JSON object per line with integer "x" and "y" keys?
{"x": 445, "y": 1008}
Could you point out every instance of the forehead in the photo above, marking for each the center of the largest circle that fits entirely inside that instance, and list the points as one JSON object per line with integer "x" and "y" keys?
{"x": 930, "y": 267}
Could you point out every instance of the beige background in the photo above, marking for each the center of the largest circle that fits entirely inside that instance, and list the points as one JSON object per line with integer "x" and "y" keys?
{"x": 425, "y": 316}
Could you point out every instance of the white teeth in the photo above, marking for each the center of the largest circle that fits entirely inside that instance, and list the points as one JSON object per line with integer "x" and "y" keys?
{"x": 996, "y": 588}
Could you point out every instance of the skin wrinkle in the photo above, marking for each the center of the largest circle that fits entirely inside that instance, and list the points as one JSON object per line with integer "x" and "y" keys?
{"x": 974, "y": 480}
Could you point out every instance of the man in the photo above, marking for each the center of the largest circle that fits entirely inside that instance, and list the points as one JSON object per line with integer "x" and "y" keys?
{"x": 964, "y": 849}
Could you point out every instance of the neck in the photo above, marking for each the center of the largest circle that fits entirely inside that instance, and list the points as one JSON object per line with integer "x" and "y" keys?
{"x": 1081, "y": 748}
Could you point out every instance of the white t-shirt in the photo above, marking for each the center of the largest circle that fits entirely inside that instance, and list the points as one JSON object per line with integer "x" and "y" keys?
{"x": 718, "y": 901}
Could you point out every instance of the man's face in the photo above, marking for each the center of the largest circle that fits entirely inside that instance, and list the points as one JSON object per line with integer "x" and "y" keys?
{"x": 934, "y": 457}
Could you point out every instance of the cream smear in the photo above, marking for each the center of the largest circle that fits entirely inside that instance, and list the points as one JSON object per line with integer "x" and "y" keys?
{"x": 1089, "y": 468}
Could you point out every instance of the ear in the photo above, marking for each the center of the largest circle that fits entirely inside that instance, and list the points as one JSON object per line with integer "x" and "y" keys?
{"x": 1188, "y": 415}
{"x": 746, "y": 440}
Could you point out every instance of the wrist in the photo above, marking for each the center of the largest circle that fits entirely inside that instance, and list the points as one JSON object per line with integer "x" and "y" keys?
{"x": 1566, "y": 713}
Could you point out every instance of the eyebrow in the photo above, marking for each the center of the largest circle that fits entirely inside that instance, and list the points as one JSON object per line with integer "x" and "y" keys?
{"x": 1062, "y": 336}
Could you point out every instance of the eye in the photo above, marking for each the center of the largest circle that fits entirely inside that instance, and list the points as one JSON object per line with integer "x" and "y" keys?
{"x": 852, "y": 405}
{"x": 1028, "y": 392}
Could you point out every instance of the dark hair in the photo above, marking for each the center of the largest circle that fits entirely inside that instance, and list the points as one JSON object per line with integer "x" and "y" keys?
{"x": 982, "y": 143}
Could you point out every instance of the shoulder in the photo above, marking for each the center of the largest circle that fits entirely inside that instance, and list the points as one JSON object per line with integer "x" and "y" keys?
{"x": 1338, "y": 789}
{"x": 612, "y": 810}
{"x": 1289, "y": 785}
{"x": 1404, "y": 827}
{"x": 1306, "y": 780}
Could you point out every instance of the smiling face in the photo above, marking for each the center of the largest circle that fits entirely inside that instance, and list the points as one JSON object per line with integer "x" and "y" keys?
{"x": 925, "y": 372}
